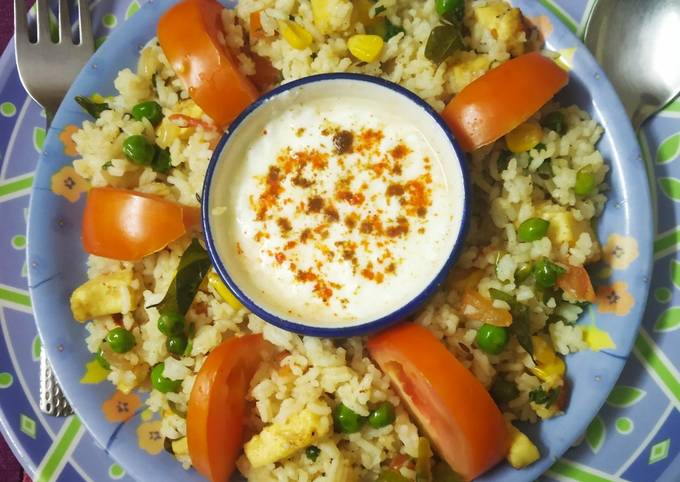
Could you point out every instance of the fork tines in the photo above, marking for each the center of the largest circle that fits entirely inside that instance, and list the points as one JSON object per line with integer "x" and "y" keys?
{"x": 43, "y": 32}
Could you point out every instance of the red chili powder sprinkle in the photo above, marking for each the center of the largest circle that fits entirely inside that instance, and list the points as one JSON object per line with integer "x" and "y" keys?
{"x": 400, "y": 151}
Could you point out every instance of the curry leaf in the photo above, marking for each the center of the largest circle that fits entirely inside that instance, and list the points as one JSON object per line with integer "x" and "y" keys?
{"x": 193, "y": 266}
{"x": 91, "y": 107}
{"x": 669, "y": 149}
{"x": 670, "y": 187}
{"x": 596, "y": 434}
{"x": 668, "y": 321}
{"x": 622, "y": 396}
{"x": 443, "y": 41}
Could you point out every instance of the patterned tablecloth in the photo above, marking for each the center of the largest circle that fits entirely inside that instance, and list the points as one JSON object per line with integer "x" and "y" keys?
{"x": 635, "y": 437}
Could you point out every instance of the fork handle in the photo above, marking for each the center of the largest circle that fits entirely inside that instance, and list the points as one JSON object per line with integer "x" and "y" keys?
{"x": 52, "y": 399}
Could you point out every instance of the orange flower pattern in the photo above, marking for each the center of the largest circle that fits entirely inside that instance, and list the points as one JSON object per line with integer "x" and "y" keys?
{"x": 620, "y": 251}
{"x": 67, "y": 183}
{"x": 121, "y": 407}
{"x": 149, "y": 437}
{"x": 615, "y": 299}
{"x": 66, "y": 138}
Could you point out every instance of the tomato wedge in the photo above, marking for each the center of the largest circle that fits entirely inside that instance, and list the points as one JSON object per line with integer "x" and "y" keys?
{"x": 502, "y": 99}
{"x": 189, "y": 34}
{"x": 217, "y": 405}
{"x": 462, "y": 420}
{"x": 128, "y": 225}
{"x": 576, "y": 282}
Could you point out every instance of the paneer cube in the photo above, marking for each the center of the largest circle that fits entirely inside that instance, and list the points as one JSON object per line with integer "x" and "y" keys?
{"x": 281, "y": 440}
{"x": 468, "y": 69}
{"x": 180, "y": 446}
{"x": 522, "y": 451}
{"x": 565, "y": 228}
{"x": 505, "y": 24}
{"x": 107, "y": 294}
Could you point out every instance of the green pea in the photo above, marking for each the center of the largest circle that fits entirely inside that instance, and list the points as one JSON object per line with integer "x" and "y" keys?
{"x": 503, "y": 391}
{"x": 312, "y": 452}
{"x": 382, "y": 416}
{"x": 450, "y": 10}
{"x": 139, "y": 150}
{"x": 148, "y": 110}
{"x": 103, "y": 362}
{"x": 555, "y": 121}
{"x": 444, "y": 41}
{"x": 523, "y": 271}
{"x": 346, "y": 420}
{"x": 161, "y": 383}
{"x": 492, "y": 339}
{"x": 533, "y": 229}
{"x": 585, "y": 182}
{"x": 161, "y": 161}
{"x": 120, "y": 340}
{"x": 501, "y": 295}
{"x": 171, "y": 323}
{"x": 391, "y": 475}
{"x": 176, "y": 344}
{"x": 546, "y": 273}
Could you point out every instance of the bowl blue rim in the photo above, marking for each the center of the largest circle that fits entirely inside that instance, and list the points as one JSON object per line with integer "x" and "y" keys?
{"x": 354, "y": 330}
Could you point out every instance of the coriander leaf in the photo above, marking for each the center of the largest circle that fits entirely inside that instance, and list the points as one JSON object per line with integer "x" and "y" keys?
{"x": 502, "y": 295}
{"x": 193, "y": 266}
{"x": 542, "y": 397}
{"x": 521, "y": 329}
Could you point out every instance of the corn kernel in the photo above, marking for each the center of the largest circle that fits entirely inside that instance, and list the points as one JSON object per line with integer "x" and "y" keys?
{"x": 222, "y": 290}
{"x": 524, "y": 137}
{"x": 549, "y": 367}
{"x": 296, "y": 35}
{"x": 365, "y": 47}
{"x": 166, "y": 133}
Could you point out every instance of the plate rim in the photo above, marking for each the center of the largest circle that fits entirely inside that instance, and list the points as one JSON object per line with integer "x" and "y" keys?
{"x": 150, "y": 9}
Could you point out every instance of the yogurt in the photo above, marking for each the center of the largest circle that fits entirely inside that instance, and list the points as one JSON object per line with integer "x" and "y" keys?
{"x": 339, "y": 211}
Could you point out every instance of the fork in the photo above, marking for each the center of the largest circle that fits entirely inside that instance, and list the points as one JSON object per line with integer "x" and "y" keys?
{"x": 47, "y": 69}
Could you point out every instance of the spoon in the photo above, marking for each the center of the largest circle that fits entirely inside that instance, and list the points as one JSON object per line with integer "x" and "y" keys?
{"x": 637, "y": 43}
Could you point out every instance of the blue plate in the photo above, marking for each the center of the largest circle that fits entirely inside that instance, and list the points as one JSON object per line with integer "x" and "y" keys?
{"x": 56, "y": 262}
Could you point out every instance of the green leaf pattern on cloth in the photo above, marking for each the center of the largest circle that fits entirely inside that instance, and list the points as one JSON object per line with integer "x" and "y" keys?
{"x": 623, "y": 396}
{"x": 670, "y": 186}
{"x": 132, "y": 9}
{"x": 596, "y": 433}
{"x": 669, "y": 320}
{"x": 669, "y": 149}
{"x": 38, "y": 138}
